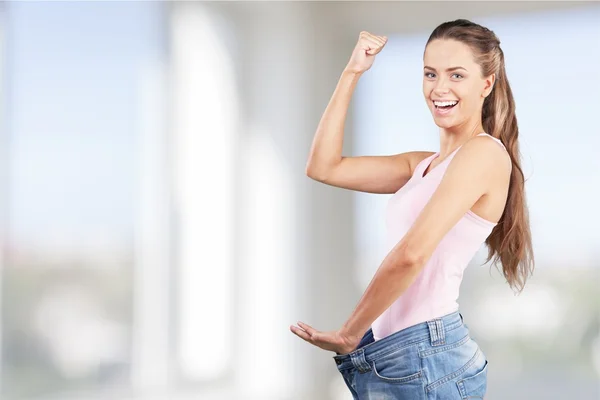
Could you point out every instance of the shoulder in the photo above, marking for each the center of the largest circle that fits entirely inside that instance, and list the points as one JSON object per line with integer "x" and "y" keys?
{"x": 484, "y": 153}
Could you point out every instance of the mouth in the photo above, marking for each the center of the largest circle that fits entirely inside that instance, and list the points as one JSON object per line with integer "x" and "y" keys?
{"x": 445, "y": 105}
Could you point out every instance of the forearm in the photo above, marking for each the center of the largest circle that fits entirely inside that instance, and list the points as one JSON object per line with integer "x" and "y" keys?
{"x": 326, "y": 149}
{"x": 390, "y": 281}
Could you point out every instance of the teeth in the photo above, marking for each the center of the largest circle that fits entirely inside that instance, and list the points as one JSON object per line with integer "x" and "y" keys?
{"x": 444, "y": 103}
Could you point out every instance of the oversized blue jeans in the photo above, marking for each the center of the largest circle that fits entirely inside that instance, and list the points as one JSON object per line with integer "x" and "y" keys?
{"x": 435, "y": 359}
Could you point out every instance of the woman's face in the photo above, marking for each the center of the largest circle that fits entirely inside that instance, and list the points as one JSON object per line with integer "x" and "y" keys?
{"x": 452, "y": 84}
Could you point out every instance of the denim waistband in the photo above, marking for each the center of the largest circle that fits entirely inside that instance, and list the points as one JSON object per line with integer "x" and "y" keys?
{"x": 432, "y": 331}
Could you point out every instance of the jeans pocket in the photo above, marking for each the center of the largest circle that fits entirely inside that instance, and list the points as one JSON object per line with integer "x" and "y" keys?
{"x": 474, "y": 386}
{"x": 400, "y": 366}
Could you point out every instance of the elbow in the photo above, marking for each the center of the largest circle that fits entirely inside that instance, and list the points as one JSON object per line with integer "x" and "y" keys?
{"x": 314, "y": 173}
{"x": 310, "y": 172}
{"x": 322, "y": 171}
{"x": 411, "y": 258}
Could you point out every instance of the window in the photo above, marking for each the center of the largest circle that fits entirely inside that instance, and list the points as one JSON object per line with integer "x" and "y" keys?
{"x": 205, "y": 115}
{"x": 72, "y": 105}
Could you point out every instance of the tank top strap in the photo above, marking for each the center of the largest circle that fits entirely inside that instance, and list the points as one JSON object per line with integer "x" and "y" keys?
{"x": 426, "y": 162}
{"x": 497, "y": 140}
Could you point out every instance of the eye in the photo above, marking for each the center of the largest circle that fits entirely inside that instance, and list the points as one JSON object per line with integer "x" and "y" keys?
{"x": 429, "y": 73}
{"x": 458, "y": 75}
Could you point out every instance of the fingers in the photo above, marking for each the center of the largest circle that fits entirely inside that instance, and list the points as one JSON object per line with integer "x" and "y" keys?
{"x": 323, "y": 340}
{"x": 372, "y": 43}
{"x": 311, "y": 331}
{"x": 306, "y": 332}
{"x": 301, "y": 333}
{"x": 381, "y": 40}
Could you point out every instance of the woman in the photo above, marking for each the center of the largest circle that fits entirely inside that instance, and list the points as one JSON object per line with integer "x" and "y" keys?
{"x": 406, "y": 338}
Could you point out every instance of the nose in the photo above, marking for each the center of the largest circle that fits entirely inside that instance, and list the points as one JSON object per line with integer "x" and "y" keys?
{"x": 441, "y": 92}
{"x": 441, "y": 87}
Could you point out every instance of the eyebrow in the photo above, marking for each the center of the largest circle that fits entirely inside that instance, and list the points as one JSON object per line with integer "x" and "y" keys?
{"x": 447, "y": 69}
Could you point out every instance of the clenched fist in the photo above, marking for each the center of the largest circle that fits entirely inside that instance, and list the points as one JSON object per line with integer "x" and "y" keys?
{"x": 364, "y": 53}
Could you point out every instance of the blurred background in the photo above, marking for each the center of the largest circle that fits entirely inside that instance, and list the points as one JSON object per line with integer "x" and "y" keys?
{"x": 159, "y": 235}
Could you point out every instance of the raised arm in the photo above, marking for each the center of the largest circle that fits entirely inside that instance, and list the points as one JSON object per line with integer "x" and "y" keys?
{"x": 373, "y": 174}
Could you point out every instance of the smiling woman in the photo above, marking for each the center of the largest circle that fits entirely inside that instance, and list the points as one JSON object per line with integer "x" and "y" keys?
{"x": 442, "y": 105}
{"x": 453, "y": 84}
{"x": 406, "y": 338}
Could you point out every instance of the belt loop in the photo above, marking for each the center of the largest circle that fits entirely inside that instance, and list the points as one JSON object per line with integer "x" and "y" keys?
{"x": 359, "y": 361}
{"x": 437, "y": 333}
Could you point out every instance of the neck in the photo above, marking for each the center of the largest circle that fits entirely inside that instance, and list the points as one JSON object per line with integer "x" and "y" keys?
{"x": 454, "y": 137}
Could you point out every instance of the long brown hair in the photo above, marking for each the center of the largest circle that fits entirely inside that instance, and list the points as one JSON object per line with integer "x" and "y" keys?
{"x": 510, "y": 241}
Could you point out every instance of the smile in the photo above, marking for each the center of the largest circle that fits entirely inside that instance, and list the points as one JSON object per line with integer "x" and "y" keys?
{"x": 445, "y": 105}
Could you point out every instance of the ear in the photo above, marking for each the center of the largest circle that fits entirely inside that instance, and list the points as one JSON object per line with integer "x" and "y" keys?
{"x": 489, "y": 85}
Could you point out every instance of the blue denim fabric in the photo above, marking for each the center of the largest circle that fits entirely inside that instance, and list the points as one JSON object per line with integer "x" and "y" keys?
{"x": 435, "y": 359}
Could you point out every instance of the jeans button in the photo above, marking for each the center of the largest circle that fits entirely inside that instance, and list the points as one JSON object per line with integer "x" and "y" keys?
{"x": 338, "y": 362}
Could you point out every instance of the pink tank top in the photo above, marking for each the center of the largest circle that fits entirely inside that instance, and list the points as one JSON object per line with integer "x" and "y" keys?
{"x": 435, "y": 291}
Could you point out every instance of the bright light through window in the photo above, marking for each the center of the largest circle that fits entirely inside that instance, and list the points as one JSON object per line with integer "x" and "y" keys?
{"x": 205, "y": 113}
